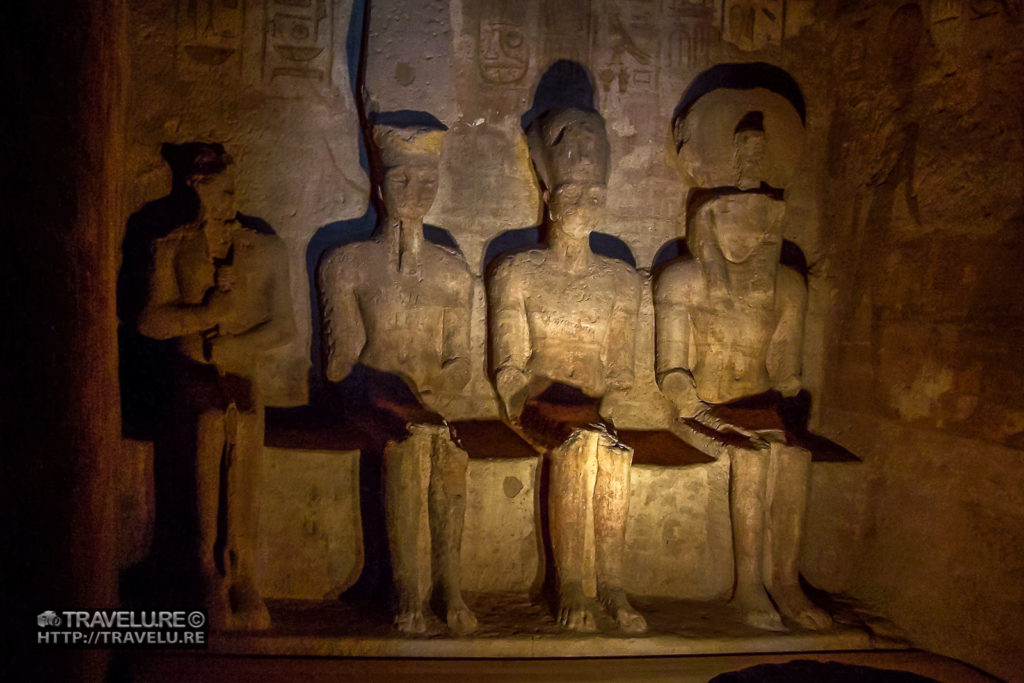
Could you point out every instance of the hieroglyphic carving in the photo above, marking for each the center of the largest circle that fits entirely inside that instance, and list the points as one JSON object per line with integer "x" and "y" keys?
{"x": 502, "y": 52}
{"x": 690, "y": 38}
{"x": 940, "y": 11}
{"x": 564, "y": 25}
{"x": 984, "y": 8}
{"x": 753, "y": 24}
{"x": 209, "y": 36}
{"x": 943, "y": 11}
{"x": 627, "y": 42}
{"x": 299, "y": 40}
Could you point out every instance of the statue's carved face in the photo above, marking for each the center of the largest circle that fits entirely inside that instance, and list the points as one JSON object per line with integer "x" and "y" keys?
{"x": 216, "y": 196}
{"x": 409, "y": 191}
{"x": 743, "y": 222}
{"x": 748, "y": 159}
{"x": 575, "y": 152}
{"x": 577, "y": 206}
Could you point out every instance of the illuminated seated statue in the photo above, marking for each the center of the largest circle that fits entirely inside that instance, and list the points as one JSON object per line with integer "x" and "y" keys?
{"x": 399, "y": 305}
{"x": 729, "y": 331}
{"x": 561, "y": 326}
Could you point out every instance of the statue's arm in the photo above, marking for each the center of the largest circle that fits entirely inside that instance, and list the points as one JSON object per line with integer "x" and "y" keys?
{"x": 620, "y": 343}
{"x": 278, "y": 328}
{"x": 344, "y": 334}
{"x": 509, "y": 332}
{"x": 672, "y": 329}
{"x": 785, "y": 351}
{"x": 455, "y": 361}
{"x": 164, "y": 316}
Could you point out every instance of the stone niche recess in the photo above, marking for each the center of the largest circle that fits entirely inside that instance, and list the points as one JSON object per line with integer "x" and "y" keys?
{"x": 900, "y": 214}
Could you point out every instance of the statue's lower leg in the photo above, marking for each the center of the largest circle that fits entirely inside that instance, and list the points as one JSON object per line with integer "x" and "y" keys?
{"x": 402, "y": 488}
{"x": 447, "y": 511}
{"x": 611, "y": 509}
{"x": 249, "y": 612}
{"x": 747, "y": 506}
{"x": 788, "y": 476}
{"x": 213, "y": 580}
{"x": 567, "y": 514}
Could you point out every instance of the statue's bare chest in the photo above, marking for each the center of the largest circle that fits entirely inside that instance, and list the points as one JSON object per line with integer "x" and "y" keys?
{"x": 562, "y": 305}
{"x": 396, "y": 300}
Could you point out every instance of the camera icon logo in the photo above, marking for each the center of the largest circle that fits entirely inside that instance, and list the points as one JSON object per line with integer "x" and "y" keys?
{"x": 48, "y": 618}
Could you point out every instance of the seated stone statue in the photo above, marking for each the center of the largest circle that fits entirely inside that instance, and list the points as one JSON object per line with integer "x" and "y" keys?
{"x": 219, "y": 289}
{"x": 399, "y": 304}
{"x": 562, "y": 328}
{"x": 729, "y": 333}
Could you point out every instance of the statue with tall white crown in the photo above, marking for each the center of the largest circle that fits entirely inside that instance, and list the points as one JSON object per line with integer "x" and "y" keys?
{"x": 399, "y": 305}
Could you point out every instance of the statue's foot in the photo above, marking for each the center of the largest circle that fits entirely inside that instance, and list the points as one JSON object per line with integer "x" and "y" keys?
{"x": 461, "y": 620}
{"x": 758, "y": 610}
{"x": 249, "y": 612}
{"x": 411, "y": 621}
{"x": 573, "y": 612}
{"x": 793, "y": 604}
{"x": 629, "y": 620}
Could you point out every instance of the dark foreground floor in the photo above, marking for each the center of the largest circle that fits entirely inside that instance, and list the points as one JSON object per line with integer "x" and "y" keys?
{"x": 861, "y": 667}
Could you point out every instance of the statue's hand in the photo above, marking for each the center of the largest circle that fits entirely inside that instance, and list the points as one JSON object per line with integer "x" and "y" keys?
{"x": 219, "y": 306}
{"x": 678, "y": 387}
{"x": 620, "y": 381}
{"x": 455, "y": 374}
{"x": 512, "y": 384}
{"x": 790, "y": 386}
{"x": 225, "y": 278}
{"x": 708, "y": 419}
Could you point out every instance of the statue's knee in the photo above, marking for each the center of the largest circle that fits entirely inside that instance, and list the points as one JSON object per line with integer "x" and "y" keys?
{"x": 450, "y": 458}
{"x": 613, "y": 456}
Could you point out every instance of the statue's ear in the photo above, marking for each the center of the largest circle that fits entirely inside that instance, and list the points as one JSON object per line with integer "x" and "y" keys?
{"x": 545, "y": 195}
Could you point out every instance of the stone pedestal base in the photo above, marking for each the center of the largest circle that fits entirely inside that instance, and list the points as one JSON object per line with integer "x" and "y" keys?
{"x": 513, "y": 626}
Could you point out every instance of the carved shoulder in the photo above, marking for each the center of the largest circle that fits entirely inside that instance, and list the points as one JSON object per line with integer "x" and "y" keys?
{"x": 343, "y": 264}
{"x": 679, "y": 282}
{"x": 267, "y": 245}
{"x": 451, "y": 263}
{"x": 623, "y": 274}
{"x": 516, "y": 268}
{"x": 168, "y": 245}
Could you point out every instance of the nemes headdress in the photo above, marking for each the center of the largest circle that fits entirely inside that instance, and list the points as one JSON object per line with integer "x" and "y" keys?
{"x": 400, "y": 145}
{"x": 712, "y": 151}
{"x": 569, "y": 145}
